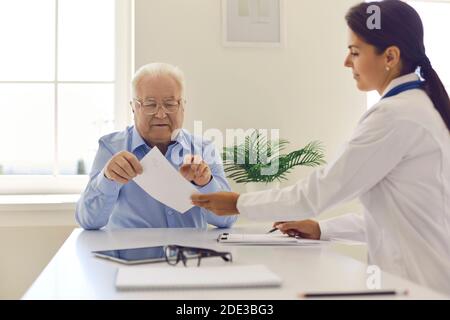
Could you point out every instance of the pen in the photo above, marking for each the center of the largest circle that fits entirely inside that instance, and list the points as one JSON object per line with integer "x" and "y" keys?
{"x": 350, "y": 293}
{"x": 272, "y": 230}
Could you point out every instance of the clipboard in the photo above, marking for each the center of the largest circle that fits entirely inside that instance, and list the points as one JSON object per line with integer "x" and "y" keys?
{"x": 265, "y": 239}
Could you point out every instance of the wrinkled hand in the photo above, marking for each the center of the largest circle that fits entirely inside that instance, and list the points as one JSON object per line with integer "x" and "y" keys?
{"x": 308, "y": 229}
{"x": 194, "y": 169}
{"x": 122, "y": 167}
{"x": 221, "y": 203}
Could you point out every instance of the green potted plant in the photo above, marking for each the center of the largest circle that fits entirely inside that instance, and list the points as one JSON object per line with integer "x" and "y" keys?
{"x": 260, "y": 164}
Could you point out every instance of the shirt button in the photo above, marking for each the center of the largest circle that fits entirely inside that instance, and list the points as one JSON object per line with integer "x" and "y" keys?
{"x": 169, "y": 211}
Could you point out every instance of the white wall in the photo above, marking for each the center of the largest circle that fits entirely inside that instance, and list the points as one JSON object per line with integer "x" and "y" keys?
{"x": 302, "y": 89}
{"x": 32, "y": 229}
{"x": 26, "y": 250}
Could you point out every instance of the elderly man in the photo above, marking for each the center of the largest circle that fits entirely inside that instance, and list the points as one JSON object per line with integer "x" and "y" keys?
{"x": 112, "y": 199}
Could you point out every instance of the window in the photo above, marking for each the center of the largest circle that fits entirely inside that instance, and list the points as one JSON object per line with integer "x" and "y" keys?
{"x": 436, "y": 20}
{"x": 65, "y": 68}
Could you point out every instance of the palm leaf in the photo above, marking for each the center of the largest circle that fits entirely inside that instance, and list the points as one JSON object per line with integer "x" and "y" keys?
{"x": 257, "y": 154}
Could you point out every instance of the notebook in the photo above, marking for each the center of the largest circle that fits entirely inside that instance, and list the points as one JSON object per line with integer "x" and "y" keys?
{"x": 265, "y": 239}
{"x": 168, "y": 277}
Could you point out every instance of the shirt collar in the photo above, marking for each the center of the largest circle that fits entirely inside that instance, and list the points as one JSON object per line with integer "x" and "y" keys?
{"x": 401, "y": 80}
{"x": 179, "y": 137}
{"x": 136, "y": 140}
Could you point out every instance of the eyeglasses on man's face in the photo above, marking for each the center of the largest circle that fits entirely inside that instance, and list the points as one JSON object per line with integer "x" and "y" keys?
{"x": 150, "y": 106}
{"x": 191, "y": 256}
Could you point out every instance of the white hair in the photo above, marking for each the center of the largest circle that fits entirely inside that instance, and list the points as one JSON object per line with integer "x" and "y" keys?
{"x": 157, "y": 69}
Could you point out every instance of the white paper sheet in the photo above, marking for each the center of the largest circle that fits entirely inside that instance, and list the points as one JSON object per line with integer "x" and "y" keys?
{"x": 160, "y": 180}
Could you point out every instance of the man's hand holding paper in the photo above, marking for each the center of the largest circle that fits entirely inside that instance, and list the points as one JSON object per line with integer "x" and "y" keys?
{"x": 196, "y": 170}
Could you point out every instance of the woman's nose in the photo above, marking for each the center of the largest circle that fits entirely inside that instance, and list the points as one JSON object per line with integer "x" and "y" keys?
{"x": 348, "y": 62}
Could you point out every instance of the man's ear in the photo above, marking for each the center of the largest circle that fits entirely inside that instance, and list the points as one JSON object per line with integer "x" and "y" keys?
{"x": 392, "y": 56}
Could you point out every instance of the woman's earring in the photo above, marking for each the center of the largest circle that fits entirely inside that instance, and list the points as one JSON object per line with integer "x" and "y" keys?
{"x": 387, "y": 68}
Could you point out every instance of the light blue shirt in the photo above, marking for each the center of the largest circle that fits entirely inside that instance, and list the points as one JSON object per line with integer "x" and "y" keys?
{"x": 109, "y": 203}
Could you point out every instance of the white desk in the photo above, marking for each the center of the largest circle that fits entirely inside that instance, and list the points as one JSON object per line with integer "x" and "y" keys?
{"x": 74, "y": 273}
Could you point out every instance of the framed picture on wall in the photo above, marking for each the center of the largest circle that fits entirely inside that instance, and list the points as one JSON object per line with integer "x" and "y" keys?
{"x": 253, "y": 23}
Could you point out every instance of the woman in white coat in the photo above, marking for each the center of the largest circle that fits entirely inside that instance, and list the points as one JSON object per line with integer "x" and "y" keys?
{"x": 397, "y": 161}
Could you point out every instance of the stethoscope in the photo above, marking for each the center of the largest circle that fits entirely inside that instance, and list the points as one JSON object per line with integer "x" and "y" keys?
{"x": 403, "y": 87}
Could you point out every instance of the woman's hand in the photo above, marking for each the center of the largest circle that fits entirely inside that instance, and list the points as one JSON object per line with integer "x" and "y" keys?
{"x": 308, "y": 229}
{"x": 221, "y": 203}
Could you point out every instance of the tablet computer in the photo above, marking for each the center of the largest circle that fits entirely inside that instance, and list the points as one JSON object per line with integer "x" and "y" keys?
{"x": 134, "y": 255}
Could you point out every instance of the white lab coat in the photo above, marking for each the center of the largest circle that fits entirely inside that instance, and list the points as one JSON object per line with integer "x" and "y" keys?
{"x": 398, "y": 164}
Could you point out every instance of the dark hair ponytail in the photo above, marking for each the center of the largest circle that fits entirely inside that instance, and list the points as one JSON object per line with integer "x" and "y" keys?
{"x": 401, "y": 26}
